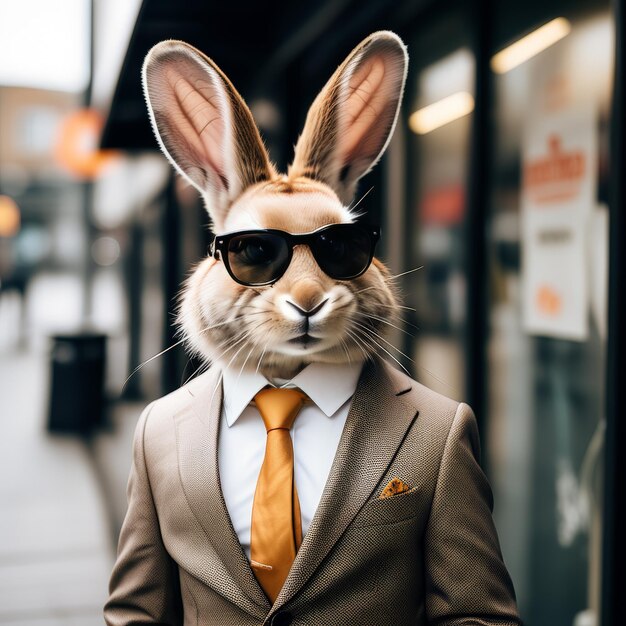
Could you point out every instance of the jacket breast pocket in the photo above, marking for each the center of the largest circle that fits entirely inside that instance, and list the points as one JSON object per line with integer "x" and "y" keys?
{"x": 397, "y": 508}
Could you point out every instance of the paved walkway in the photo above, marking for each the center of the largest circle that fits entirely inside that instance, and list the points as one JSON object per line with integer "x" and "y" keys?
{"x": 56, "y": 551}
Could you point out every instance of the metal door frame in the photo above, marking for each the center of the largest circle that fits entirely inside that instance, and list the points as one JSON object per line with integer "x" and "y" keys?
{"x": 614, "y": 514}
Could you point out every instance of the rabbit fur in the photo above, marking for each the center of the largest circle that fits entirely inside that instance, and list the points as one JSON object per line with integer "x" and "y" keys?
{"x": 207, "y": 132}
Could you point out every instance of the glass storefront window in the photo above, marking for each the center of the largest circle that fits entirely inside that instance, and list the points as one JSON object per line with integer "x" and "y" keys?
{"x": 547, "y": 230}
{"x": 441, "y": 100}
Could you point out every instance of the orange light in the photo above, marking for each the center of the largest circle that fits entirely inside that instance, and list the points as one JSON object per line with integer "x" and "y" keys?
{"x": 77, "y": 147}
{"x": 10, "y": 219}
{"x": 443, "y": 205}
{"x": 442, "y": 112}
{"x": 549, "y": 301}
{"x": 530, "y": 45}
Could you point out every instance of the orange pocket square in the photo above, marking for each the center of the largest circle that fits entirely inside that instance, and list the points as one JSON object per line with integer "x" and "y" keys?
{"x": 393, "y": 488}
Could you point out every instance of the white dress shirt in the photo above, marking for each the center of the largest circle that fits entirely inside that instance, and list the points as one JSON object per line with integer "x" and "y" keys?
{"x": 315, "y": 435}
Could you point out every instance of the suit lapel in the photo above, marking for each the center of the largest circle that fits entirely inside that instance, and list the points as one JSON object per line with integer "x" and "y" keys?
{"x": 197, "y": 428}
{"x": 376, "y": 425}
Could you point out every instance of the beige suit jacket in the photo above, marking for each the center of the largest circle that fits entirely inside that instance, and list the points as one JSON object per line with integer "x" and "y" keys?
{"x": 426, "y": 556}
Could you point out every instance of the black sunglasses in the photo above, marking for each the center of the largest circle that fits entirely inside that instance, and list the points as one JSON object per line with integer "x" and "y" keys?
{"x": 261, "y": 257}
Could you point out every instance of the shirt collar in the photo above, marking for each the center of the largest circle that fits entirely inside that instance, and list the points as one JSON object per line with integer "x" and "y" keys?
{"x": 329, "y": 385}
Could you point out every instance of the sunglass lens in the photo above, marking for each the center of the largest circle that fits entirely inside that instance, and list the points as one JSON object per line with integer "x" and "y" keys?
{"x": 343, "y": 251}
{"x": 257, "y": 259}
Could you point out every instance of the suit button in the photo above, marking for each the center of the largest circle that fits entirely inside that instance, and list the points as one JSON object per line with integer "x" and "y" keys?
{"x": 283, "y": 618}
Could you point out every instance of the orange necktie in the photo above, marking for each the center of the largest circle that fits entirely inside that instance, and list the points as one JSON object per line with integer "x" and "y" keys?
{"x": 276, "y": 532}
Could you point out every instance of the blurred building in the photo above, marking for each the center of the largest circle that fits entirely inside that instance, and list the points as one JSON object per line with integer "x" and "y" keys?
{"x": 502, "y": 204}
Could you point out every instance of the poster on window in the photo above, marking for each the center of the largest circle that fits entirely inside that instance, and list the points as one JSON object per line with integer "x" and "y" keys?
{"x": 559, "y": 170}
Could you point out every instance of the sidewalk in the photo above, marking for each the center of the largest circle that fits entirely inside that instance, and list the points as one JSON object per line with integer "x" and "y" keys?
{"x": 56, "y": 549}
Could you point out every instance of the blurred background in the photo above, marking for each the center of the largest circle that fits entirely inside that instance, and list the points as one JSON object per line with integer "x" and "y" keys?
{"x": 504, "y": 183}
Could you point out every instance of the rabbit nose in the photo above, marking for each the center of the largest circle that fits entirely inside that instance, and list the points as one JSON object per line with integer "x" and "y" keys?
{"x": 306, "y": 296}
{"x": 310, "y": 312}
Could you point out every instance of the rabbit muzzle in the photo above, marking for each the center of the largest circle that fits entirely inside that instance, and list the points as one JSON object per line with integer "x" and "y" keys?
{"x": 311, "y": 315}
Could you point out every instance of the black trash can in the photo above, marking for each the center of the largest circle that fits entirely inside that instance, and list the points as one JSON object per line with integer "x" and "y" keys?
{"x": 77, "y": 383}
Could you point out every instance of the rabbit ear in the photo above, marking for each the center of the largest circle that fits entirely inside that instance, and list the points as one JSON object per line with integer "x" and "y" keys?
{"x": 203, "y": 125}
{"x": 351, "y": 121}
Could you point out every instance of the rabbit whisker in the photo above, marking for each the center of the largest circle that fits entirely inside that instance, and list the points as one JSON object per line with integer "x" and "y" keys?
{"x": 230, "y": 347}
{"x": 247, "y": 334}
{"x": 156, "y": 356}
{"x": 384, "y": 321}
{"x": 420, "y": 367}
{"x": 372, "y": 340}
{"x": 368, "y": 350}
{"x": 221, "y": 377}
{"x": 375, "y": 334}
{"x": 345, "y": 349}
{"x": 396, "y": 306}
{"x": 439, "y": 380}
{"x": 359, "y": 344}
{"x": 174, "y": 345}
{"x": 415, "y": 269}
{"x": 235, "y": 356}
{"x": 203, "y": 366}
{"x": 258, "y": 365}
{"x": 217, "y": 385}
{"x": 356, "y": 204}
{"x": 243, "y": 365}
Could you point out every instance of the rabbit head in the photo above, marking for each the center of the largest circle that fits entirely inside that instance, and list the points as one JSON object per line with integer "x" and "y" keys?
{"x": 207, "y": 132}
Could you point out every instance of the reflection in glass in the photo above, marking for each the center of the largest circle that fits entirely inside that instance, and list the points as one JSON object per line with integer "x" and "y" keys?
{"x": 547, "y": 265}
{"x": 440, "y": 121}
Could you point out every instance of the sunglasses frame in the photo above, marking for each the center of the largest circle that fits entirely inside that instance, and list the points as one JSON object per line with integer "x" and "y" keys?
{"x": 219, "y": 247}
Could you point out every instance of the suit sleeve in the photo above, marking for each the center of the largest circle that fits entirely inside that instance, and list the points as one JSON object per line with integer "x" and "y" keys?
{"x": 144, "y": 586}
{"x": 467, "y": 583}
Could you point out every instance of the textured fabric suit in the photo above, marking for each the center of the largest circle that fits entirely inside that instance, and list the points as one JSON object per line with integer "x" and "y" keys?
{"x": 426, "y": 556}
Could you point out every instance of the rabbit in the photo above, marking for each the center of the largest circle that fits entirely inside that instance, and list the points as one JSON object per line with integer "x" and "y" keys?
{"x": 399, "y": 527}
{"x": 208, "y": 134}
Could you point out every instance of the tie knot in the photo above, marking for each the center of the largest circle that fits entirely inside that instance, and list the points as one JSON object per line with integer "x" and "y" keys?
{"x": 279, "y": 407}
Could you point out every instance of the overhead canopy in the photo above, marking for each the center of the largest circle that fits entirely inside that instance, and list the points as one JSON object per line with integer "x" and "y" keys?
{"x": 255, "y": 43}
